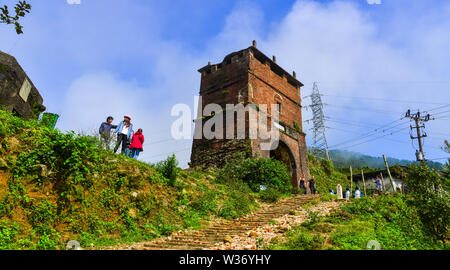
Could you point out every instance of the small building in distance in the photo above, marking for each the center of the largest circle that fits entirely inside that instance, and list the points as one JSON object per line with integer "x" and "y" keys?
{"x": 17, "y": 92}
{"x": 247, "y": 77}
{"x": 369, "y": 179}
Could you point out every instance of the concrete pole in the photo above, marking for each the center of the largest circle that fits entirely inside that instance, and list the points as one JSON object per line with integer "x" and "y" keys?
{"x": 364, "y": 182}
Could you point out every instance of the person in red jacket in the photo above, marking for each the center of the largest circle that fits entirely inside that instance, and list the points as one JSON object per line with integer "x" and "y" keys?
{"x": 136, "y": 144}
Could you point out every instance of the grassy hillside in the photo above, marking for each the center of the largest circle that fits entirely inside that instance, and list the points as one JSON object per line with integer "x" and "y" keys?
{"x": 56, "y": 187}
{"x": 416, "y": 220}
{"x": 389, "y": 220}
{"x": 326, "y": 176}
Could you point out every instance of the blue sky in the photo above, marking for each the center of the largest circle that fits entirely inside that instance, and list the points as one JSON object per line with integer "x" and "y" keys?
{"x": 114, "y": 57}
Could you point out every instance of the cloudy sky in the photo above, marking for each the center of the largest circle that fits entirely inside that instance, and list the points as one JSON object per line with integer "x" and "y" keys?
{"x": 372, "y": 60}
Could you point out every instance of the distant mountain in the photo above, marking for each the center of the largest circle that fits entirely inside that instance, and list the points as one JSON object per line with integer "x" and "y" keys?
{"x": 344, "y": 158}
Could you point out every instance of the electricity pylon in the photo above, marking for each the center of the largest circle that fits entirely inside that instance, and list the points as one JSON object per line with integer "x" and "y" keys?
{"x": 320, "y": 145}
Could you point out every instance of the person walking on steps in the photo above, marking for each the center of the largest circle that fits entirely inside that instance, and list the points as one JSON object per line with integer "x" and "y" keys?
{"x": 124, "y": 131}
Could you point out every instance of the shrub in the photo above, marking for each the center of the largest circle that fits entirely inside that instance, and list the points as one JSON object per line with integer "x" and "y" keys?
{"x": 270, "y": 195}
{"x": 8, "y": 233}
{"x": 300, "y": 239}
{"x": 43, "y": 213}
{"x": 430, "y": 197}
{"x": 257, "y": 172}
{"x": 169, "y": 169}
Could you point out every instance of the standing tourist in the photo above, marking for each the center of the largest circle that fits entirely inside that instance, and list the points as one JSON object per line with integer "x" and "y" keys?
{"x": 136, "y": 144}
{"x": 105, "y": 131}
{"x": 379, "y": 185}
{"x": 347, "y": 194}
{"x": 312, "y": 186}
{"x": 124, "y": 131}
{"x": 302, "y": 184}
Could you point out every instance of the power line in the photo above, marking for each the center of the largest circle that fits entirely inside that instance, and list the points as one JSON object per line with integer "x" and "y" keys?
{"x": 162, "y": 141}
{"x": 440, "y": 113}
{"x": 440, "y": 158}
{"x": 361, "y": 109}
{"x": 371, "y": 133}
{"x": 374, "y": 138}
{"x": 440, "y": 107}
{"x": 388, "y": 100}
{"x": 182, "y": 150}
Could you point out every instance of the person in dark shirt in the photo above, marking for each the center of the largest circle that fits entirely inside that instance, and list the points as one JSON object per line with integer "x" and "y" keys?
{"x": 312, "y": 186}
{"x": 302, "y": 185}
{"x": 105, "y": 131}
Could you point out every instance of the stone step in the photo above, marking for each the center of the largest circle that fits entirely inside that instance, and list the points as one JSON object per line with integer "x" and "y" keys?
{"x": 208, "y": 237}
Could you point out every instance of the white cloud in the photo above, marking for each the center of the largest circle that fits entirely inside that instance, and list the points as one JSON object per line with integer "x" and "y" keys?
{"x": 350, "y": 53}
{"x": 337, "y": 44}
{"x": 93, "y": 97}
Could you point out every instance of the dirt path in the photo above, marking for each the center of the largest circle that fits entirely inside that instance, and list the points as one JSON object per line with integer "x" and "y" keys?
{"x": 270, "y": 221}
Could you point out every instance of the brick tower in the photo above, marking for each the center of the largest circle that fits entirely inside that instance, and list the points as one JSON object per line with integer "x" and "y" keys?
{"x": 250, "y": 77}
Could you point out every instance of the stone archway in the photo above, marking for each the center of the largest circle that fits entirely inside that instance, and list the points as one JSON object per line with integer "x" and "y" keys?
{"x": 284, "y": 154}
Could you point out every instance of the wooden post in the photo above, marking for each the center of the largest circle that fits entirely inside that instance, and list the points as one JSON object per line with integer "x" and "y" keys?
{"x": 364, "y": 182}
{"x": 382, "y": 181}
{"x": 389, "y": 173}
{"x": 351, "y": 181}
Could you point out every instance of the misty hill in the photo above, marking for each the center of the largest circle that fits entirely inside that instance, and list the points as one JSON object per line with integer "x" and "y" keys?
{"x": 344, "y": 158}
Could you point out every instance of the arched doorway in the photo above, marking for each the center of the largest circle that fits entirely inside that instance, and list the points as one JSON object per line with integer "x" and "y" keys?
{"x": 284, "y": 154}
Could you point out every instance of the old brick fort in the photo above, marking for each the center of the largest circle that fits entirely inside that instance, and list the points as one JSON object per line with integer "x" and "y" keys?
{"x": 17, "y": 92}
{"x": 250, "y": 77}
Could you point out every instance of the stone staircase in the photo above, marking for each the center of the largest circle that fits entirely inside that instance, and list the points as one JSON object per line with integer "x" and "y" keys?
{"x": 224, "y": 230}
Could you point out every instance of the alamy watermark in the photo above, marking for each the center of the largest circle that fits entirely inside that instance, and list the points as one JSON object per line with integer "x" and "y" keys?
{"x": 215, "y": 122}
{"x": 73, "y": 2}
{"x": 372, "y": 2}
{"x": 373, "y": 245}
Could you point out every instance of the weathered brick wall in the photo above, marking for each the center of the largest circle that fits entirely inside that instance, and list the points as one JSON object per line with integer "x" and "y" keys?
{"x": 12, "y": 77}
{"x": 268, "y": 87}
{"x": 214, "y": 153}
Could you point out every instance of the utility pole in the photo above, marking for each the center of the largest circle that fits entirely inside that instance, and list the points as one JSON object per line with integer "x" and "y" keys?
{"x": 389, "y": 173}
{"x": 419, "y": 121}
{"x": 320, "y": 145}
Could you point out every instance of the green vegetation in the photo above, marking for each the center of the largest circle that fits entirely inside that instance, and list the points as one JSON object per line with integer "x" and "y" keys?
{"x": 169, "y": 169}
{"x": 21, "y": 8}
{"x": 431, "y": 198}
{"x": 56, "y": 187}
{"x": 390, "y": 220}
{"x": 327, "y": 177}
{"x": 416, "y": 220}
{"x": 266, "y": 177}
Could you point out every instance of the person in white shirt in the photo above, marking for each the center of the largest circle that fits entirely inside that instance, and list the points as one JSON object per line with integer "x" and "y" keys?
{"x": 124, "y": 131}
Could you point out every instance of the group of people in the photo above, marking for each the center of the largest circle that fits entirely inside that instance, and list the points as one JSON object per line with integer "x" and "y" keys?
{"x": 357, "y": 194}
{"x": 312, "y": 185}
{"x": 132, "y": 142}
{"x": 347, "y": 194}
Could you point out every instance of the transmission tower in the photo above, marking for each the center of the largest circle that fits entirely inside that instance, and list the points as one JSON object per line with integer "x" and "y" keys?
{"x": 320, "y": 146}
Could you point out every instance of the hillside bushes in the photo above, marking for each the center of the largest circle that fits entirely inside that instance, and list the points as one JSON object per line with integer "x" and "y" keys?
{"x": 389, "y": 220}
{"x": 56, "y": 187}
{"x": 430, "y": 195}
{"x": 267, "y": 177}
{"x": 326, "y": 177}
